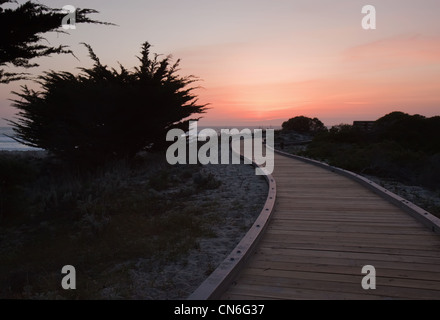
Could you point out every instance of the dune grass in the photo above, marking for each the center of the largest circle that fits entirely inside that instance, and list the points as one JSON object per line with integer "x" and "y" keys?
{"x": 99, "y": 221}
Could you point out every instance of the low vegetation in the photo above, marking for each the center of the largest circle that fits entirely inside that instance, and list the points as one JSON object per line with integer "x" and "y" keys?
{"x": 52, "y": 215}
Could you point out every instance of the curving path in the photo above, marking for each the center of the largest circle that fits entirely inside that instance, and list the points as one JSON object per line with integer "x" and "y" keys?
{"x": 324, "y": 229}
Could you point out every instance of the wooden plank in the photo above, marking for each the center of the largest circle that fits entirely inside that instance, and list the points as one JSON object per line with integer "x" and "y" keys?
{"x": 351, "y": 226}
{"x": 263, "y": 249}
{"x": 349, "y": 213}
{"x": 340, "y": 266}
{"x": 354, "y": 223}
{"x": 425, "y": 252}
{"x": 348, "y": 234}
{"x": 330, "y": 283}
{"x": 353, "y": 278}
{"x": 397, "y": 261}
{"x": 308, "y": 206}
{"x": 344, "y": 239}
{"x": 273, "y": 292}
{"x": 301, "y": 210}
{"x": 294, "y": 209}
{"x": 307, "y": 218}
{"x": 292, "y": 225}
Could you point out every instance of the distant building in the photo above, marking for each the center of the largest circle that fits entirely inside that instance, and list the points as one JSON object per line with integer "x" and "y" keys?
{"x": 364, "y": 125}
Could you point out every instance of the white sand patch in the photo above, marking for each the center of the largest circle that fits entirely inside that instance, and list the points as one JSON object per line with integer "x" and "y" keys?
{"x": 235, "y": 204}
{"x": 422, "y": 197}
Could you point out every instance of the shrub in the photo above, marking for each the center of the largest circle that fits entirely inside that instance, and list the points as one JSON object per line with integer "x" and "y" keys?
{"x": 103, "y": 113}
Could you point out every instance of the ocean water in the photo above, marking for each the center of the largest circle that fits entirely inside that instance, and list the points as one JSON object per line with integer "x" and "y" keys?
{"x": 8, "y": 144}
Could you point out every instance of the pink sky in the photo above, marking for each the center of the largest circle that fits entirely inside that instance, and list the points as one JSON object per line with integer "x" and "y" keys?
{"x": 263, "y": 62}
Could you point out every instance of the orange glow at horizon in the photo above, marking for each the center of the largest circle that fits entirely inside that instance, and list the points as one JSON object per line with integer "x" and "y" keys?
{"x": 367, "y": 82}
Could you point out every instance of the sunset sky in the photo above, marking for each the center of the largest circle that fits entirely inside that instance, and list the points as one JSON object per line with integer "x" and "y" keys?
{"x": 263, "y": 61}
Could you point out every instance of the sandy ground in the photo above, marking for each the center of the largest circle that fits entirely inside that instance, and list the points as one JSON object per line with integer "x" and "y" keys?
{"x": 242, "y": 196}
{"x": 422, "y": 197}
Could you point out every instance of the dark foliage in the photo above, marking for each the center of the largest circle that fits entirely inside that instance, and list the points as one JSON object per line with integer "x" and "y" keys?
{"x": 104, "y": 113}
{"x": 303, "y": 124}
{"x": 400, "y": 146}
{"x": 414, "y": 132}
{"x": 21, "y": 34}
{"x": 15, "y": 172}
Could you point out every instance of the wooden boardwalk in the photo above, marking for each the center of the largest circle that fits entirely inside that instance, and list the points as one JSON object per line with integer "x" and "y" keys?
{"x": 325, "y": 228}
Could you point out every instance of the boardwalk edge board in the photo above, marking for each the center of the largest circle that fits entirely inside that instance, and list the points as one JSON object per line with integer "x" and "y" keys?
{"x": 429, "y": 220}
{"x": 222, "y": 277}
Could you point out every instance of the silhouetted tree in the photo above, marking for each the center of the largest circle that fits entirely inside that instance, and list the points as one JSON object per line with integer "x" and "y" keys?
{"x": 346, "y": 133}
{"x": 391, "y": 118}
{"x": 304, "y": 125}
{"x": 411, "y": 131}
{"x": 21, "y": 35}
{"x": 103, "y": 113}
